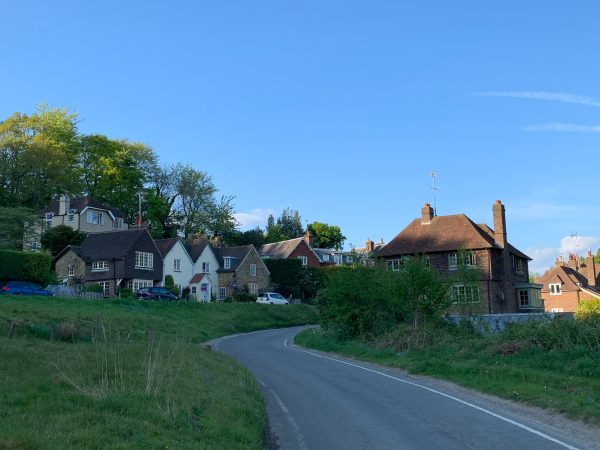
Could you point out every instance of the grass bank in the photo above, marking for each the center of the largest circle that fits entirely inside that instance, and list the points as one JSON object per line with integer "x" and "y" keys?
{"x": 128, "y": 374}
{"x": 552, "y": 365}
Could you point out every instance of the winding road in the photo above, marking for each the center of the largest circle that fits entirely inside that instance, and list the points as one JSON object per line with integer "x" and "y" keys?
{"x": 320, "y": 401}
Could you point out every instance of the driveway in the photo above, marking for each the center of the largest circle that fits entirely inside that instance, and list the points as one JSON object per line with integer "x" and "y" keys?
{"x": 321, "y": 401}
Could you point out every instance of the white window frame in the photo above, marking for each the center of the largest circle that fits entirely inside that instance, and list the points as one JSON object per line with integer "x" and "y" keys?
{"x": 71, "y": 216}
{"x": 222, "y": 293}
{"x": 48, "y": 220}
{"x": 393, "y": 264}
{"x": 554, "y": 289}
{"x": 227, "y": 263}
{"x": 303, "y": 260}
{"x": 468, "y": 294}
{"x": 105, "y": 287}
{"x": 252, "y": 288}
{"x": 469, "y": 259}
{"x": 144, "y": 260}
{"x": 136, "y": 284}
{"x": 325, "y": 257}
{"x": 205, "y": 267}
{"x": 100, "y": 266}
{"x": 252, "y": 270}
{"x": 71, "y": 270}
{"x": 95, "y": 218}
{"x": 177, "y": 265}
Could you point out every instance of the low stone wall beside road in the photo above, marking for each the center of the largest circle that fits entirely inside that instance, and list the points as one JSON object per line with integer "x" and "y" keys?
{"x": 494, "y": 323}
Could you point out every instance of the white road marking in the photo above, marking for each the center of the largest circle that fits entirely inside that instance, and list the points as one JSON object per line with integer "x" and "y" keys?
{"x": 290, "y": 418}
{"x": 456, "y": 399}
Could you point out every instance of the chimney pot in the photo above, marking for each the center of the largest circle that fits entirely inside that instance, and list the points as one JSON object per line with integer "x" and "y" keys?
{"x": 308, "y": 238}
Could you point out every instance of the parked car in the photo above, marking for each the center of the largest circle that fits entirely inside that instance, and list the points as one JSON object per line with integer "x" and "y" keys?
{"x": 23, "y": 288}
{"x": 272, "y": 298}
{"x": 156, "y": 293}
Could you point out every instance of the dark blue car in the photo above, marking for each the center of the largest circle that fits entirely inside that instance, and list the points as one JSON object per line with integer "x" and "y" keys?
{"x": 23, "y": 288}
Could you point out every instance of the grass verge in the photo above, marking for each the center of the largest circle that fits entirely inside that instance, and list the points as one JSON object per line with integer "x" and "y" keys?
{"x": 553, "y": 365}
{"x": 129, "y": 374}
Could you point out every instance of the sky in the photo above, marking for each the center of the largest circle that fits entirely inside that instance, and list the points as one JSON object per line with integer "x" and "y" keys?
{"x": 339, "y": 109}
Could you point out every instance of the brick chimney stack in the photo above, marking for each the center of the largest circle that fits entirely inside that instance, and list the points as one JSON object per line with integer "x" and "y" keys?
{"x": 592, "y": 273}
{"x": 499, "y": 223}
{"x": 573, "y": 261}
{"x": 370, "y": 245}
{"x": 426, "y": 214}
{"x": 64, "y": 204}
{"x": 308, "y": 238}
{"x": 559, "y": 261}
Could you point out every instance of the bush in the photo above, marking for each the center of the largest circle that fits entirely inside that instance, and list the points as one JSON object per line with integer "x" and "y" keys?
{"x": 589, "y": 310}
{"x": 94, "y": 288}
{"x": 170, "y": 285}
{"x": 25, "y": 266}
{"x": 125, "y": 293}
{"x": 290, "y": 278}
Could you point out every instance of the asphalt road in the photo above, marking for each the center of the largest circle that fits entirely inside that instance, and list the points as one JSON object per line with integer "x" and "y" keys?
{"x": 319, "y": 401}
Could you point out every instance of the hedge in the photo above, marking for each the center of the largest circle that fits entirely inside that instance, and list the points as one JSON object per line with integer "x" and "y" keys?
{"x": 25, "y": 266}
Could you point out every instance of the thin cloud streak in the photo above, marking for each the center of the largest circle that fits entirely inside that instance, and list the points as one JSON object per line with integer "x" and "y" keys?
{"x": 540, "y": 95}
{"x": 563, "y": 127}
{"x": 256, "y": 217}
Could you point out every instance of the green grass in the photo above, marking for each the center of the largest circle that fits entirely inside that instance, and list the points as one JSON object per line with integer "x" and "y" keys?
{"x": 555, "y": 366}
{"x": 129, "y": 374}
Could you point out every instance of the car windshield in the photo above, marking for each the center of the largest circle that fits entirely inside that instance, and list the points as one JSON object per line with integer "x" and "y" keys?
{"x": 277, "y": 296}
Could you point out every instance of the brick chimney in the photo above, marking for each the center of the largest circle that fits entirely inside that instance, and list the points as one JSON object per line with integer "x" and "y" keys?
{"x": 426, "y": 214}
{"x": 308, "y": 238}
{"x": 592, "y": 273}
{"x": 499, "y": 223}
{"x": 573, "y": 261}
{"x": 559, "y": 261}
{"x": 370, "y": 245}
{"x": 64, "y": 204}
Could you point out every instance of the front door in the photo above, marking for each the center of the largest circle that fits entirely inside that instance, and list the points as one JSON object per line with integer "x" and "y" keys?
{"x": 204, "y": 294}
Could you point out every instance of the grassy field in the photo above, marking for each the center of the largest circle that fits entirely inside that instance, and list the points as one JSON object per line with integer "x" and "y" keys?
{"x": 129, "y": 374}
{"x": 555, "y": 366}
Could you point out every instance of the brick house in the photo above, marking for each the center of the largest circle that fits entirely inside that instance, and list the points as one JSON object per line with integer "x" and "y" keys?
{"x": 80, "y": 213}
{"x": 449, "y": 241}
{"x": 298, "y": 248}
{"x": 241, "y": 269}
{"x": 122, "y": 259}
{"x": 566, "y": 284}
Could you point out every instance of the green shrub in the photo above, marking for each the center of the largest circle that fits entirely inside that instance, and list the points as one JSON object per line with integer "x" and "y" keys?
{"x": 170, "y": 285}
{"x": 589, "y": 310}
{"x": 290, "y": 278}
{"x": 125, "y": 293}
{"x": 94, "y": 288}
{"x": 26, "y": 266}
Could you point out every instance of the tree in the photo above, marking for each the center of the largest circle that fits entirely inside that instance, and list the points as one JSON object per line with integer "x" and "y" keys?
{"x": 326, "y": 236}
{"x": 254, "y": 237}
{"x": 57, "y": 238}
{"x": 288, "y": 226}
{"x": 16, "y": 222}
{"x": 38, "y": 157}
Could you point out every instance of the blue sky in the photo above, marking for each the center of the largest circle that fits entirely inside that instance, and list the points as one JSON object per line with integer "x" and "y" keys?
{"x": 339, "y": 109}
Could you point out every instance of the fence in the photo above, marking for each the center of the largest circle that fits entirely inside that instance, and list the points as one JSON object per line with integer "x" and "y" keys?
{"x": 73, "y": 292}
{"x": 494, "y": 323}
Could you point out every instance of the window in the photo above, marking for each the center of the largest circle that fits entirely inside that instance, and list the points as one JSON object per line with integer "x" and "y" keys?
{"x": 71, "y": 271}
{"x": 222, "y": 293}
{"x": 118, "y": 224}
{"x": 95, "y": 218}
{"x": 105, "y": 287}
{"x": 465, "y": 294}
{"x": 554, "y": 288}
{"x": 463, "y": 259}
{"x": 144, "y": 260}
{"x": 48, "y": 220}
{"x": 349, "y": 259}
{"x": 34, "y": 246}
{"x": 205, "y": 267}
{"x": 303, "y": 260}
{"x": 193, "y": 290}
{"x": 252, "y": 288}
{"x": 555, "y": 310}
{"x": 523, "y": 297}
{"x": 336, "y": 259}
{"x": 227, "y": 263}
{"x": 136, "y": 285}
{"x": 71, "y": 215}
{"x": 177, "y": 265}
{"x": 252, "y": 270}
{"x": 99, "y": 266}
{"x": 393, "y": 264}
{"x": 325, "y": 257}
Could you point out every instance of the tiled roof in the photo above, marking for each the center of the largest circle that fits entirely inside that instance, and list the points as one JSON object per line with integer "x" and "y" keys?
{"x": 567, "y": 276}
{"x": 79, "y": 203}
{"x": 165, "y": 245}
{"x": 281, "y": 249}
{"x": 510, "y": 247}
{"x": 111, "y": 245}
{"x": 237, "y": 255}
{"x": 195, "y": 249}
{"x": 197, "y": 278}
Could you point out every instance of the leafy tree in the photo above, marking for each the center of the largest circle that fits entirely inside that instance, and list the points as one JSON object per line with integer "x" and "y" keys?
{"x": 57, "y": 238}
{"x": 254, "y": 237}
{"x": 16, "y": 222}
{"x": 326, "y": 236}
{"x": 38, "y": 157}
{"x": 288, "y": 226}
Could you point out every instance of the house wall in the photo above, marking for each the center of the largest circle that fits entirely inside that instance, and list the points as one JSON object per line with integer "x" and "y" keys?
{"x": 94, "y": 228}
{"x": 182, "y": 277}
{"x": 241, "y": 277}
{"x": 304, "y": 250}
{"x": 70, "y": 259}
{"x": 567, "y": 300}
{"x": 208, "y": 256}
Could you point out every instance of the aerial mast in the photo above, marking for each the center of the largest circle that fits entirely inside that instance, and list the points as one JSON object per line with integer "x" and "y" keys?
{"x": 433, "y": 175}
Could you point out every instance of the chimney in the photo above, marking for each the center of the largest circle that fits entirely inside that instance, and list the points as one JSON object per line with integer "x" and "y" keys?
{"x": 308, "y": 238}
{"x": 592, "y": 273}
{"x": 499, "y": 223}
{"x": 559, "y": 261}
{"x": 64, "y": 204}
{"x": 426, "y": 214}
{"x": 370, "y": 245}
{"x": 573, "y": 261}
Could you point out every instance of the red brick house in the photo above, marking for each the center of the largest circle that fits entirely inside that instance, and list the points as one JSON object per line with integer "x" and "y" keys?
{"x": 566, "y": 284}
{"x": 449, "y": 241}
{"x": 299, "y": 248}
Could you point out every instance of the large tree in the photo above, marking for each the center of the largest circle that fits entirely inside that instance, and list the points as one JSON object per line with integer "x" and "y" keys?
{"x": 38, "y": 157}
{"x": 287, "y": 226}
{"x": 326, "y": 236}
{"x": 16, "y": 223}
{"x": 57, "y": 238}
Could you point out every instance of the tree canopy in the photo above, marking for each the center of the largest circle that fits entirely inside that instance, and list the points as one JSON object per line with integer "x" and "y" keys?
{"x": 57, "y": 238}
{"x": 326, "y": 236}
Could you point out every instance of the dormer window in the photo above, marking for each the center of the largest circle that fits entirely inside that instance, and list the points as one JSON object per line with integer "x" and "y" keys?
{"x": 71, "y": 216}
{"x": 227, "y": 263}
{"x": 95, "y": 218}
{"x": 48, "y": 220}
{"x": 118, "y": 223}
{"x": 554, "y": 288}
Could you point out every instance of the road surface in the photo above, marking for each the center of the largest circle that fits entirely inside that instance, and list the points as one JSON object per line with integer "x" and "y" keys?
{"x": 320, "y": 401}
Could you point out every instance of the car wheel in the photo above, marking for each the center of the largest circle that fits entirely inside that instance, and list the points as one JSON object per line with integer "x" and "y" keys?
{"x": 270, "y": 303}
